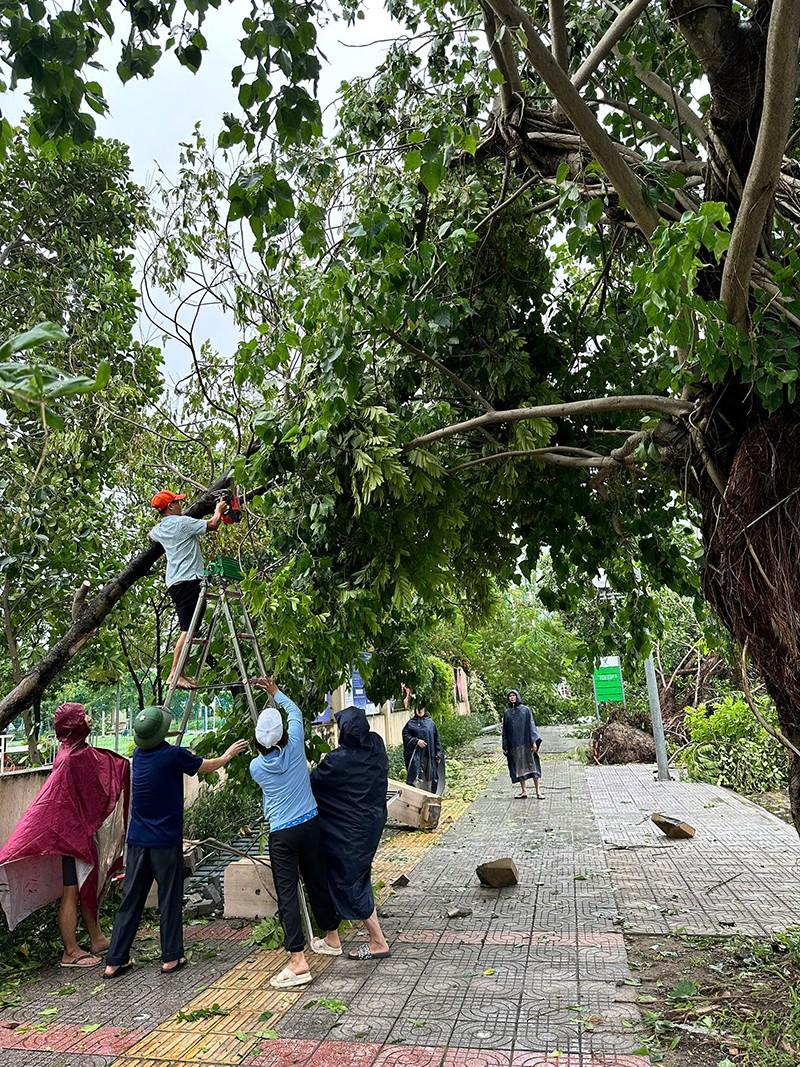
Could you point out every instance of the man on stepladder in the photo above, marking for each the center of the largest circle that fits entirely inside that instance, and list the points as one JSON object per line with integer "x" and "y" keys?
{"x": 179, "y": 535}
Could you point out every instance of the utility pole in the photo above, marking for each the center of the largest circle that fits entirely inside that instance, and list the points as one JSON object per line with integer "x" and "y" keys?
{"x": 655, "y": 710}
{"x": 116, "y": 718}
{"x": 656, "y": 720}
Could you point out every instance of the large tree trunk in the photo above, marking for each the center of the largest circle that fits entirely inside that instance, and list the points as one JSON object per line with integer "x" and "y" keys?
{"x": 752, "y": 552}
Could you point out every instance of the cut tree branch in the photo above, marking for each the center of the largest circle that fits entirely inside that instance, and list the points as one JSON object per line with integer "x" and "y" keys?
{"x": 79, "y": 599}
{"x": 608, "y": 42}
{"x": 570, "y": 101}
{"x": 665, "y": 405}
{"x": 780, "y": 88}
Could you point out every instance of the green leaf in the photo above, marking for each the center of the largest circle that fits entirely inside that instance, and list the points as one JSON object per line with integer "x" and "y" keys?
{"x": 684, "y": 990}
{"x": 90, "y": 1028}
{"x": 496, "y": 77}
{"x": 431, "y": 175}
{"x": 35, "y": 338}
{"x": 412, "y": 160}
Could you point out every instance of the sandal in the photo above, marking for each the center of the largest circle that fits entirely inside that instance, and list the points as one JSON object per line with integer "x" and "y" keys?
{"x": 363, "y": 953}
{"x": 322, "y": 948}
{"x": 119, "y": 971}
{"x": 79, "y": 961}
{"x": 287, "y": 979}
{"x": 182, "y": 962}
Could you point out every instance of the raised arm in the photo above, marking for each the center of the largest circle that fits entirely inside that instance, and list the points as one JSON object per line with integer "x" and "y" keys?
{"x": 213, "y": 523}
{"x": 208, "y": 766}
{"x": 294, "y": 716}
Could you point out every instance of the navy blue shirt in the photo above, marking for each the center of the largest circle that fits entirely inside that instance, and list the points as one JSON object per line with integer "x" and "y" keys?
{"x": 157, "y": 800}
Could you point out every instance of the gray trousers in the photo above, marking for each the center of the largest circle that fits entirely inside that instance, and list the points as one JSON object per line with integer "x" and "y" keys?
{"x": 142, "y": 867}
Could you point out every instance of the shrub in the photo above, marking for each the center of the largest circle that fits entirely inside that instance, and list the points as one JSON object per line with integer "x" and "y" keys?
{"x": 480, "y": 700}
{"x": 727, "y": 746}
{"x": 223, "y": 813}
{"x": 397, "y": 766}
{"x": 455, "y": 731}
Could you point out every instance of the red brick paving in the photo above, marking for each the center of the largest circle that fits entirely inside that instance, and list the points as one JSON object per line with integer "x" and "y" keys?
{"x": 106, "y": 1041}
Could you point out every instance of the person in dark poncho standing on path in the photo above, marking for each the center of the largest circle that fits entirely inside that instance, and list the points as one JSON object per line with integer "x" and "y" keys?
{"x": 521, "y": 742}
{"x": 423, "y": 753}
{"x": 350, "y": 786}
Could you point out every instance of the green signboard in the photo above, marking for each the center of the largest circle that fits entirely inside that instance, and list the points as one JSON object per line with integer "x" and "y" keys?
{"x": 608, "y": 688}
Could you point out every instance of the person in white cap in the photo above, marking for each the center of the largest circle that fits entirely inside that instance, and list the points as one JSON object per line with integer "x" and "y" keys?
{"x": 295, "y": 848}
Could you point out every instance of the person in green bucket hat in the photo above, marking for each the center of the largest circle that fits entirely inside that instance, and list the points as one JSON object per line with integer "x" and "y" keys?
{"x": 155, "y": 838}
{"x": 150, "y": 727}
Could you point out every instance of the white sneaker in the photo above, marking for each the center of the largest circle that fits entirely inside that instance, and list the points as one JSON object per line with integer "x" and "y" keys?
{"x": 322, "y": 948}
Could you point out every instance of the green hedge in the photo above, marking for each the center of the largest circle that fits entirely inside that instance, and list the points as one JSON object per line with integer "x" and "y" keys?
{"x": 727, "y": 746}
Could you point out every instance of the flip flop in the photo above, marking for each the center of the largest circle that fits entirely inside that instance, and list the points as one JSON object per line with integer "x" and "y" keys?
{"x": 322, "y": 948}
{"x": 78, "y": 961}
{"x": 363, "y": 953}
{"x": 521, "y": 796}
{"x": 182, "y": 962}
{"x": 287, "y": 979}
{"x": 119, "y": 971}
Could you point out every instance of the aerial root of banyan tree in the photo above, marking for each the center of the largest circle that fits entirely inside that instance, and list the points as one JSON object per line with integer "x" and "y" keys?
{"x": 752, "y": 574}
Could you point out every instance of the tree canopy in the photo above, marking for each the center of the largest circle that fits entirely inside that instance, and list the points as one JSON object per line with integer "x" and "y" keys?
{"x": 538, "y": 287}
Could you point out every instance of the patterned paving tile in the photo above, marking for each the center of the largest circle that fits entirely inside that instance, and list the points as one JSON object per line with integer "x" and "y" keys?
{"x": 419, "y": 1056}
{"x": 345, "y": 1054}
{"x": 282, "y": 1054}
{"x": 462, "y": 1057}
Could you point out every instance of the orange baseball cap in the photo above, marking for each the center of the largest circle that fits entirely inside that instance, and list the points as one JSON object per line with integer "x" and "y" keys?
{"x": 165, "y": 498}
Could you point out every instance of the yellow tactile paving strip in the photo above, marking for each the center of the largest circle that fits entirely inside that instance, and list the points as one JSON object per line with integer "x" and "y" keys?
{"x": 245, "y": 992}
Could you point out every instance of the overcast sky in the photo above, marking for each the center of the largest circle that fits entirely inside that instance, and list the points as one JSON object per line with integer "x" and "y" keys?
{"x": 155, "y": 115}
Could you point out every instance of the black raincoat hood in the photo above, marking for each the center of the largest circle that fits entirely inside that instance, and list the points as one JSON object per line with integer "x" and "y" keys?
{"x": 354, "y": 731}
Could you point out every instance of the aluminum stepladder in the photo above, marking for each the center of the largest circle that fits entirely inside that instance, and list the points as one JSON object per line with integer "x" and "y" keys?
{"x": 220, "y": 586}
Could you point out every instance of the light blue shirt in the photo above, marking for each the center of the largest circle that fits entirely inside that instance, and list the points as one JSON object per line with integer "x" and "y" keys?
{"x": 283, "y": 775}
{"x": 180, "y": 537}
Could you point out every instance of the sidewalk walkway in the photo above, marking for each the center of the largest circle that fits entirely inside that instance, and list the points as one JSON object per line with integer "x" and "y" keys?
{"x": 535, "y": 976}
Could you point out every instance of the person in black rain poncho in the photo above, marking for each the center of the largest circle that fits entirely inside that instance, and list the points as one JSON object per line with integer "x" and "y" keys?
{"x": 350, "y": 787}
{"x": 423, "y": 753}
{"x": 521, "y": 741}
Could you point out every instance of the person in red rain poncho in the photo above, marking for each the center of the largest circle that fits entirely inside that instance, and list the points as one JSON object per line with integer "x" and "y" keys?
{"x": 53, "y": 851}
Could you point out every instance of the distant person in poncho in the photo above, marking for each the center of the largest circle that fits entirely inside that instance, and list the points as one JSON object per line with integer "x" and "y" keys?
{"x": 70, "y": 839}
{"x": 423, "y": 753}
{"x": 521, "y": 743}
